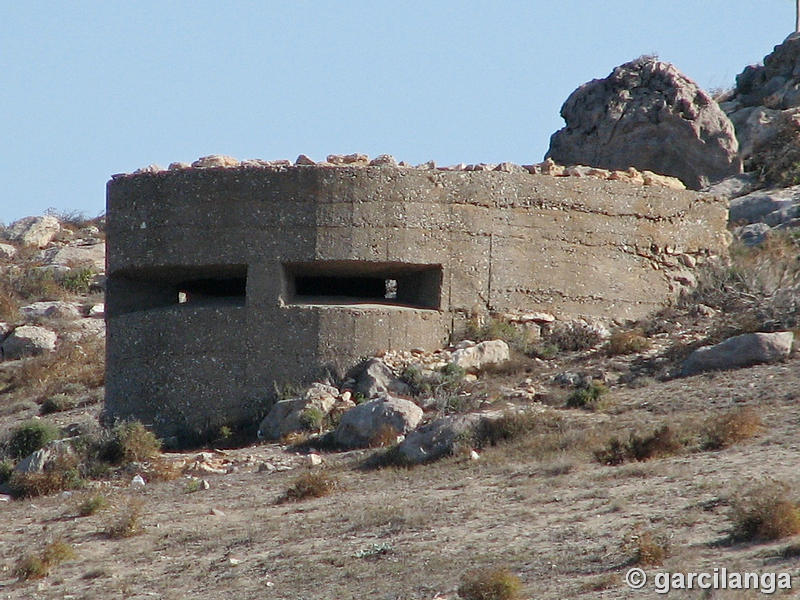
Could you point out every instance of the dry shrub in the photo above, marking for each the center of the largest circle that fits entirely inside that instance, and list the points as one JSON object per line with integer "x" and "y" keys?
{"x": 72, "y": 363}
{"x": 513, "y": 425}
{"x": 126, "y": 521}
{"x": 62, "y": 474}
{"x": 574, "y": 336}
{"x": 490, "y": 584}
{"x": 384, "y": 437}
{"x": 161, "y": 469}
{"x": 37, "y": 566}
{"x": 761, "y": 286}
{"x": 731, "y": 428}
{"x": 310, "y": 485}
{"x": 663, "y": 442}
{"x": 764, "y": 512}
{"x": 589, "y": 397}
{"x": 131, "y": 442}
{"x": 91, "y": 503}
{"x": 648, "y": 547}
{"x": 627, "y": 342}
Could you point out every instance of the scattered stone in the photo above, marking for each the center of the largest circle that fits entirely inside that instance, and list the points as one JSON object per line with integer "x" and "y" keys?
{"x": 204, "y": 484}
{"x": 293, "y": 414}
{"x": 740, "y": 351}
{"x": 28, "y": 340}
{"x": 33, "y": 231}
{"x": 314, "y": 459}
{"x": 215, "y": 160}
{"x": 383, "y": 160}
{"x": 55, "y": 309}
{"x": 137, "y": 481}
{"x": 179, "y": 166}
{"x": 376, "y": 378}
{"x": 572, "y": 379}
{"x": 361, "y": 425}
{"x": 217, "y": 512}
{"x": 734, "y": 186}
{"x": 509, "y": 167}
{"x": 7, "y": 251}
{"x": 648, "y": 115}
{"x": 355, "y": 160}
{"x": 98, "y": 311}
{"x": 476, "y": 357}
{"x": 753, "y": 234}
{"x": 427, "y": 166}
{"x": 758, "y": 206}
{"x": 304, "y": 160}
{"x": 152, "y": 168}
{"x": 473, "y": 455}
{"x": 5, "y": 498}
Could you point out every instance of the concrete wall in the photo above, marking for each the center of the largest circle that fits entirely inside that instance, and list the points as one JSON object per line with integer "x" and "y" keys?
{"x": 457, "y": 243}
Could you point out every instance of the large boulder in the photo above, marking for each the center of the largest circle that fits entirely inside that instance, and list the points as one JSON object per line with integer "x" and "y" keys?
{"x": 438, "y": 438}
{"x": 299, "y": 414}
{"x": 54, "y": 452}
{"x": 51, "y": 309}
{"x": 364, "y": 424}
{"x": 474, "y": 358}
{"x": 28, "y": 340}
{"x": 740, "y": 351}
{"x": 376, "y": 378}
{"x": 648, "y": 115}
{"x": 33, "y": 231}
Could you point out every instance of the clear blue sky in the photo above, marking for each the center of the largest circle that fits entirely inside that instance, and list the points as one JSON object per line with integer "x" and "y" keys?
{"x": 91, "y": 88}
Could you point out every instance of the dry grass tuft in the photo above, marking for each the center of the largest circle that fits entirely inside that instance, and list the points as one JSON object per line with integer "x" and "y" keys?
{"x": 310, "y": 485}
{"x": 126, "y": 522}
{"x": 627, "y": 342}
{"x": 385, "y": 436}
{"x": 132, "y": 442}
{"x": 91, "y": 503}
{"x": 764, "y": 512}
{"x": 61, "y": 475}
{"x": 731, "y": 428}
{"x": 490, "y": 584}
{"x": 38, "y": 566}
{"x": 649, "y": 547}
{"x": 661, "y": 443}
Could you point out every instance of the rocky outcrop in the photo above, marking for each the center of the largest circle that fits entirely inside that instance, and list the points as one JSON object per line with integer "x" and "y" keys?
{"x": 648, "y": 115}
{"x": 364, "y": 424}
{"x": 765, "y": 110}
{"x": 740, "y": 351}
{"x": 28, "y": 340}
{"x": 438, "y": 438}
{"x": 33, "y": 231}
{"x": 298, "y": 414}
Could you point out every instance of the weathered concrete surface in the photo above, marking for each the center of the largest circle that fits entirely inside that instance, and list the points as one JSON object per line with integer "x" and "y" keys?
{"x": 458, "y": 243}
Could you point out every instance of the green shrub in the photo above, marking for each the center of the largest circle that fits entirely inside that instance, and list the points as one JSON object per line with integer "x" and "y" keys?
{"x": 574, "y": 336}
{"x": 92, "y": 504}
{"x": 78, "y": 281}
{"x": 663, "y": 442}
{"x": 490, "y": 584}
{"x": 6, "y": 469}
{"x": 58, "y": 403}
{"x": 313, "y": 418}
{"x": 443, "y": 385}
{"x": 589, "y": 397}
{"x": 30, "y": 437}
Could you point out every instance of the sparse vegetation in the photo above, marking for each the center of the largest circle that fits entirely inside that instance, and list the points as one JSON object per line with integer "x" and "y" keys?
{"x": 131, "y": 442}
{"x": 590, "y": 397}
{"x": 731, "y": 428}
{"x": 574, "y": 336}
{"x": 444, "y": 385}
{"x": 662, "y": 442}
{"x": 648, "y": 547}
{"x": 61, "y": 474}
{"x": 58, "y": 403}
{"x": 627, "y": 342}
{"x": 30, "y": 437}
{"x": 490, "y": 584}
{"x": 765, "y": 511}
{"x": 38, "y": 566}
{"x": 315, "y": 484}
{"x": 92, "y": 503}
{"x": 126, "y": 522}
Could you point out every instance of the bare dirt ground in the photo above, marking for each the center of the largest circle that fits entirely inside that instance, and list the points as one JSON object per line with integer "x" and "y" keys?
{"x": 541, "y": 505}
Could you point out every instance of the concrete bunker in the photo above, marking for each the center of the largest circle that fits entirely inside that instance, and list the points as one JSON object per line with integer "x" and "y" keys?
{"x": 227, "y": 283}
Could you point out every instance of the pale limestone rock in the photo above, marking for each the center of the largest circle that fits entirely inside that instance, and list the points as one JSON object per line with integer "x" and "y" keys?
{"x": 376, "y": 378}
{"x": 179, "y": 166}
{"x": 78, "y": 254}
{"x": 740, "y": 351}
{"x": 304, "y": 160}
{"x": 673, "y": 183}
{"x": 215, "y": 160}
{"x": 33, "y": 231}
{"x": 28, "y": 340}
{"x": 476, "y": 357}
{"x": 287, "y": 416}
{"x": 55, "y": 309}
{"x": 360, "y": 425}
{"x": 148, "y": 169}
{"x": 356, "y": 159}
{"x": 7, "y": 251}
{"x": 383, "y": 160}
